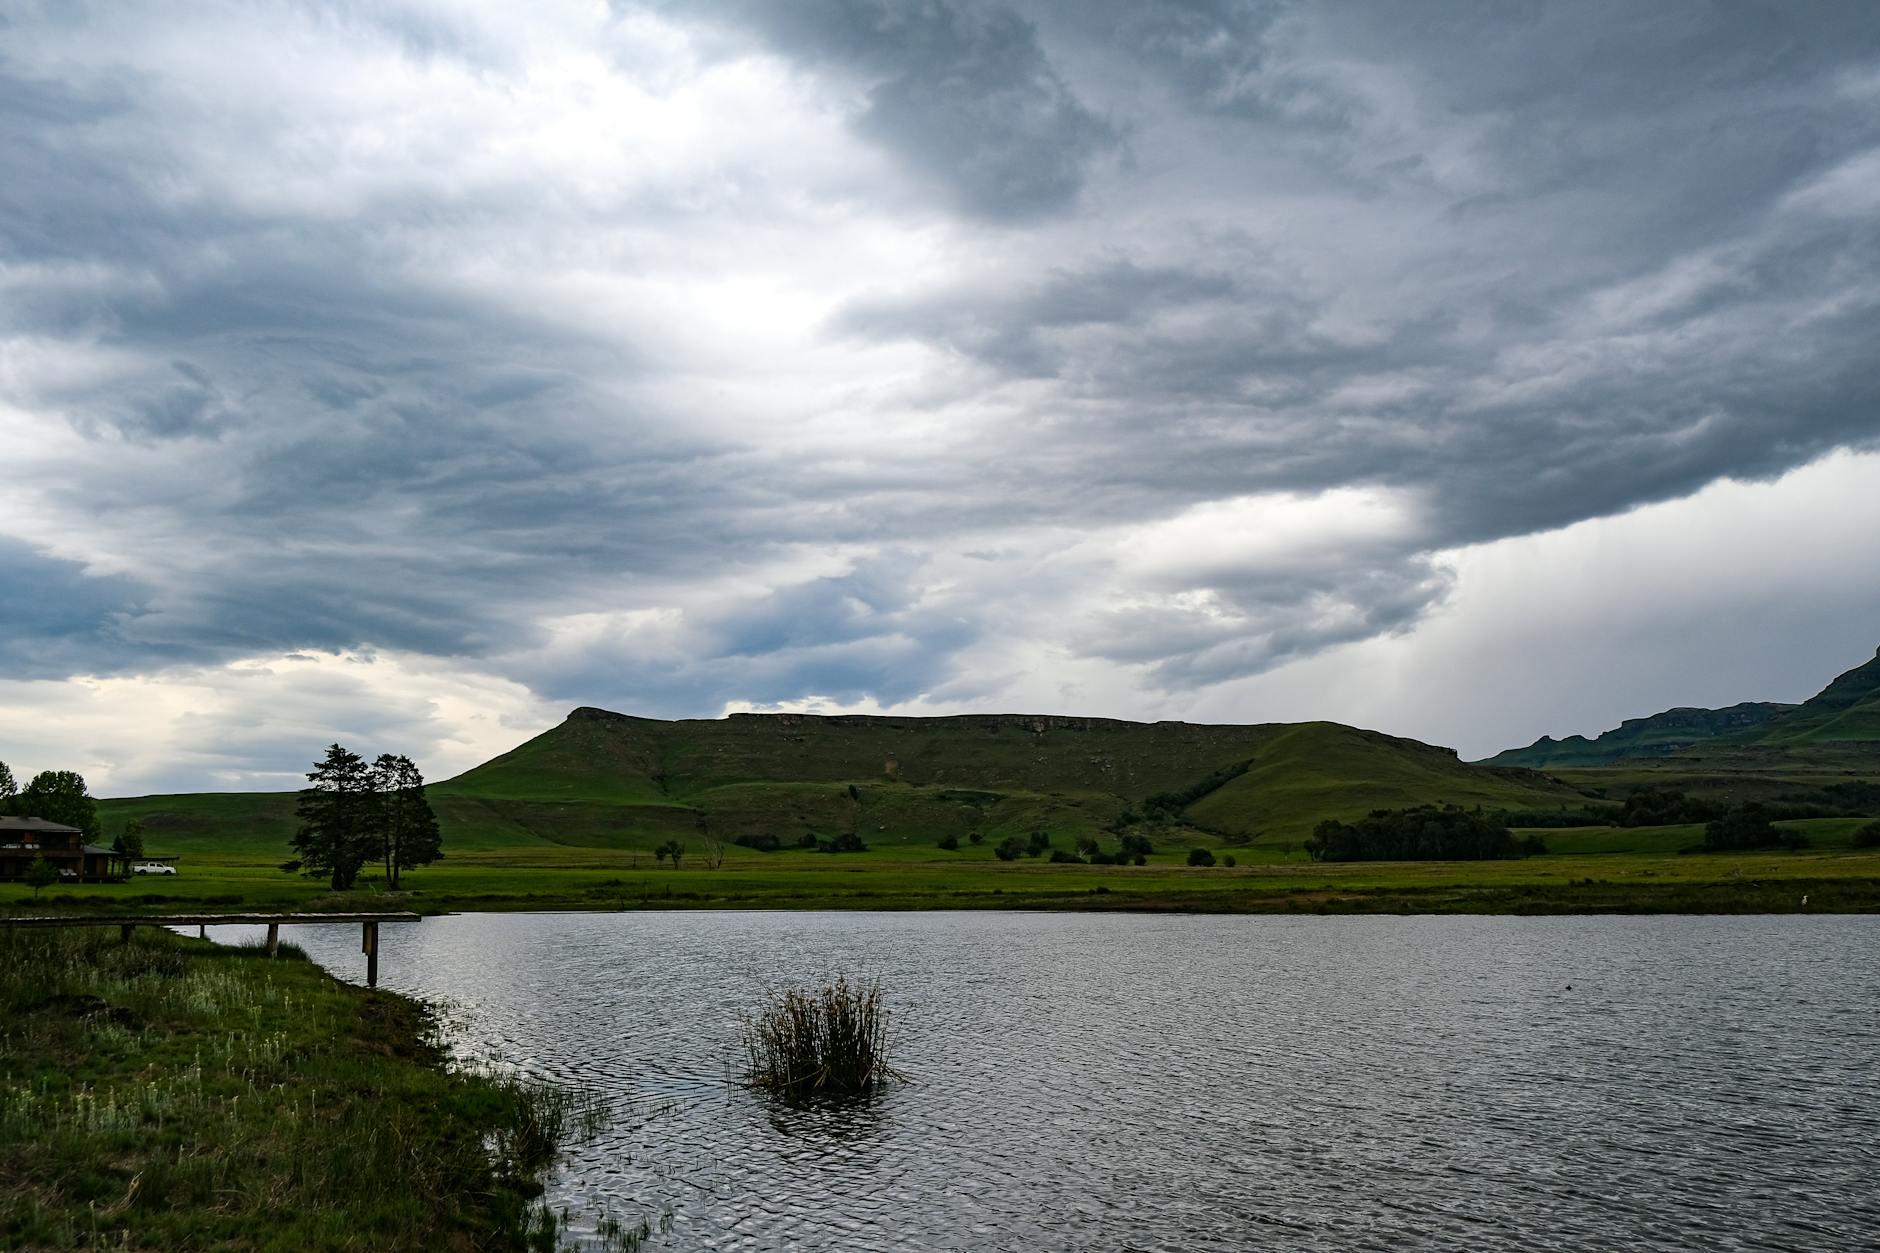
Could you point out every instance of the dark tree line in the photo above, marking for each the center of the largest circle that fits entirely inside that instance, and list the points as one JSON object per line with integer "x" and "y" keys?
{"x": 353, "y": 813}
{"x": 1422, "y": 833}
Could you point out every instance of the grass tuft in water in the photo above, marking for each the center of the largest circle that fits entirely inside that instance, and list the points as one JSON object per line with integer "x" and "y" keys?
{"x": 828, "y": 1043}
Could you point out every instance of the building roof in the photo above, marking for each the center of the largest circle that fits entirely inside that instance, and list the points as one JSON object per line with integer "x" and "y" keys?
{"x": 102, "y": 852}
{"x": 34, "y": 824}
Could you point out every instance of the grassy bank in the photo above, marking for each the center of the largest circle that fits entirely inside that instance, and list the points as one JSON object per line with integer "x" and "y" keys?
{"x": 1265, "y": 879}
{"x": 167, "y": 1093}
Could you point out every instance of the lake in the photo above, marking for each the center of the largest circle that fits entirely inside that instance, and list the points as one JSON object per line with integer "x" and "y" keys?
{"x": 1137, "y": 1082}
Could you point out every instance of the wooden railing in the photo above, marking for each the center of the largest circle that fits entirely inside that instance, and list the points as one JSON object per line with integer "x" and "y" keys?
{"x": 128, "y": 923}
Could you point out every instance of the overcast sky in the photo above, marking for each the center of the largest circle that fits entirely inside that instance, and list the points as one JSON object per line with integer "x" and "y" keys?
{"x": 409, "y": 373}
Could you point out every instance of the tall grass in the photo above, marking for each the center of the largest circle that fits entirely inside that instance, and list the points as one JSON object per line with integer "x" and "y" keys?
{"x": 170, "y": 1094}
{"x": 832, "y": 1042}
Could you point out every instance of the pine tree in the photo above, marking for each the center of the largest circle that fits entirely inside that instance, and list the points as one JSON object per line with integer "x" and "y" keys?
{"x": 338, "y": 823}
{"x": 406, "y": 828}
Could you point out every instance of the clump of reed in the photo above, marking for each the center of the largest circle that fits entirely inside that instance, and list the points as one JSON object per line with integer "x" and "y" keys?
{"x": 832, "y": 1042}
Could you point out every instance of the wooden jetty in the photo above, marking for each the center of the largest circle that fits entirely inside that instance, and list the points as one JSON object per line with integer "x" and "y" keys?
{"x": 127, "y": 923}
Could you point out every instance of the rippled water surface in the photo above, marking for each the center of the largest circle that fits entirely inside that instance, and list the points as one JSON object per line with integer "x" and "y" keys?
{"x": 1193, "y": 1083}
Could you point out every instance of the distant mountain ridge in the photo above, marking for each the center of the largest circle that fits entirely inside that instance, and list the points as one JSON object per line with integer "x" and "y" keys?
{"x": 1659, "y": 735}
{"x": 1845, "y": 714}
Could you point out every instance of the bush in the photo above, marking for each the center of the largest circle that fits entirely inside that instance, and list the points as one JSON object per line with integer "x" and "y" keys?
{"x": 1229, "y": 860}
{"x": 1868, "y": 836}
{"x": 950, "y": 843}
{"x": 762, "y": 843}
{"x": 1039, "y": 842}
{"x": 847, "y": 842}
{"x": 1011, "y": 848}
{"x": 1200, "y": 857}
{"x": 1059, "y": 856}
{"x": 832, "y": 1042}
{"x": 808, "y": 840}
{"x": 1747, "y": 828}
{"x": 976, "y": 837}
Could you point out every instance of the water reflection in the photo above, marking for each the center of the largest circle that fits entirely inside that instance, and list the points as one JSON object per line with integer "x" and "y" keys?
{"x": 1206, "y": 1083}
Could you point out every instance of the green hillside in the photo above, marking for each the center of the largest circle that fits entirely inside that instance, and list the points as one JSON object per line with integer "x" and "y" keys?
{"x": 1846, "y": 711}
{"x": 1660, "y": 735}
{"x": 1319, "y": 770}
{"x": 607, "y": 780}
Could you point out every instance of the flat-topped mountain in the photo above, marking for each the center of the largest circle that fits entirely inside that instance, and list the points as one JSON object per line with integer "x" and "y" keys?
{"x": 605, "y": 779}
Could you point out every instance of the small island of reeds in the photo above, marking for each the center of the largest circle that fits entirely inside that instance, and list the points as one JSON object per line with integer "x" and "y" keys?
{"x": 831, "y": 1042}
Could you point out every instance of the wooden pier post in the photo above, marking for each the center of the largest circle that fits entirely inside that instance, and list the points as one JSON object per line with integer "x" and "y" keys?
{"x": 274, "y": 939}
{"x": 370, "y": 943}
{"x": 202, "y": 931}
{"x": 124, "y": 932}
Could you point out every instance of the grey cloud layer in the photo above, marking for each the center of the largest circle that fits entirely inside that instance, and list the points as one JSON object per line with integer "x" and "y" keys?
{"x": 1510, "y": 266}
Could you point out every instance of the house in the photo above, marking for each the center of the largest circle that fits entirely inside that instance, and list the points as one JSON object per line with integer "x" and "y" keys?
{"x": 23, "y": 839}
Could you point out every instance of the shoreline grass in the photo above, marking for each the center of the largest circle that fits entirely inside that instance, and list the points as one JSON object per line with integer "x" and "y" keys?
{"x": 168, "y": 1093}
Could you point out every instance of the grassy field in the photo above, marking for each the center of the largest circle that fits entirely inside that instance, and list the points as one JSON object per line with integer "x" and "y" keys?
{"x": 170, "y": 1094}
{"x": 1581, "y": 877}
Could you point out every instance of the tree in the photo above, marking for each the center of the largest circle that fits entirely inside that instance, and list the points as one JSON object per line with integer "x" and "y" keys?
{"x": 1748, "y": 827}
{"x": 405, "y": 827}
{"x": 7, "y": 788}
{"x": 60, "y": 796}
{"x": 338, "y": 823}
{"x": 672, "y": 849}
{"x": 131, "y": 842}
{"x": 1200, "y": 857}
{"x": 1868, "y": 836}
{"x": 1009, "y": 849}
{"x": 41, "y": 874}
{"x": 950, "y": 842}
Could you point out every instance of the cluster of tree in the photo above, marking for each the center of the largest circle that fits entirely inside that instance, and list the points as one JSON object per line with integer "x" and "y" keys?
{"x": 1868, "y": 836}
{"x": 844, "y": 842}
{"x": 1752, "y": 826}
{"x": 55, "y": 795}
{"x": 1421, "y": 833}
{"x": 352, "y": 813}
{"x": 1168, "y": 806}
{"x": 765, "y": 843}
{"x": 672, "y": 849}
{"x": 1131, "y": 848}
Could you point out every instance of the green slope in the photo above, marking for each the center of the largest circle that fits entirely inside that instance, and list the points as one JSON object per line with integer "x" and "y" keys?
{"x": 1320, "y": 770}
{"x": 608, "y": 780}
{"x": 1847, "y": 710}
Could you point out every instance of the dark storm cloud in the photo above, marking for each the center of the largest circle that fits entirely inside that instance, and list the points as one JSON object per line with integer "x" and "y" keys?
{"x": 55, "y": 619}
{"x": 959, "y": 91}
{"x": 342, "y": 378}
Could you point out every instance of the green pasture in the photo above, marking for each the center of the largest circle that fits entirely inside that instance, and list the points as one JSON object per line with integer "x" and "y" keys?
{"x": 928, "y": 878}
